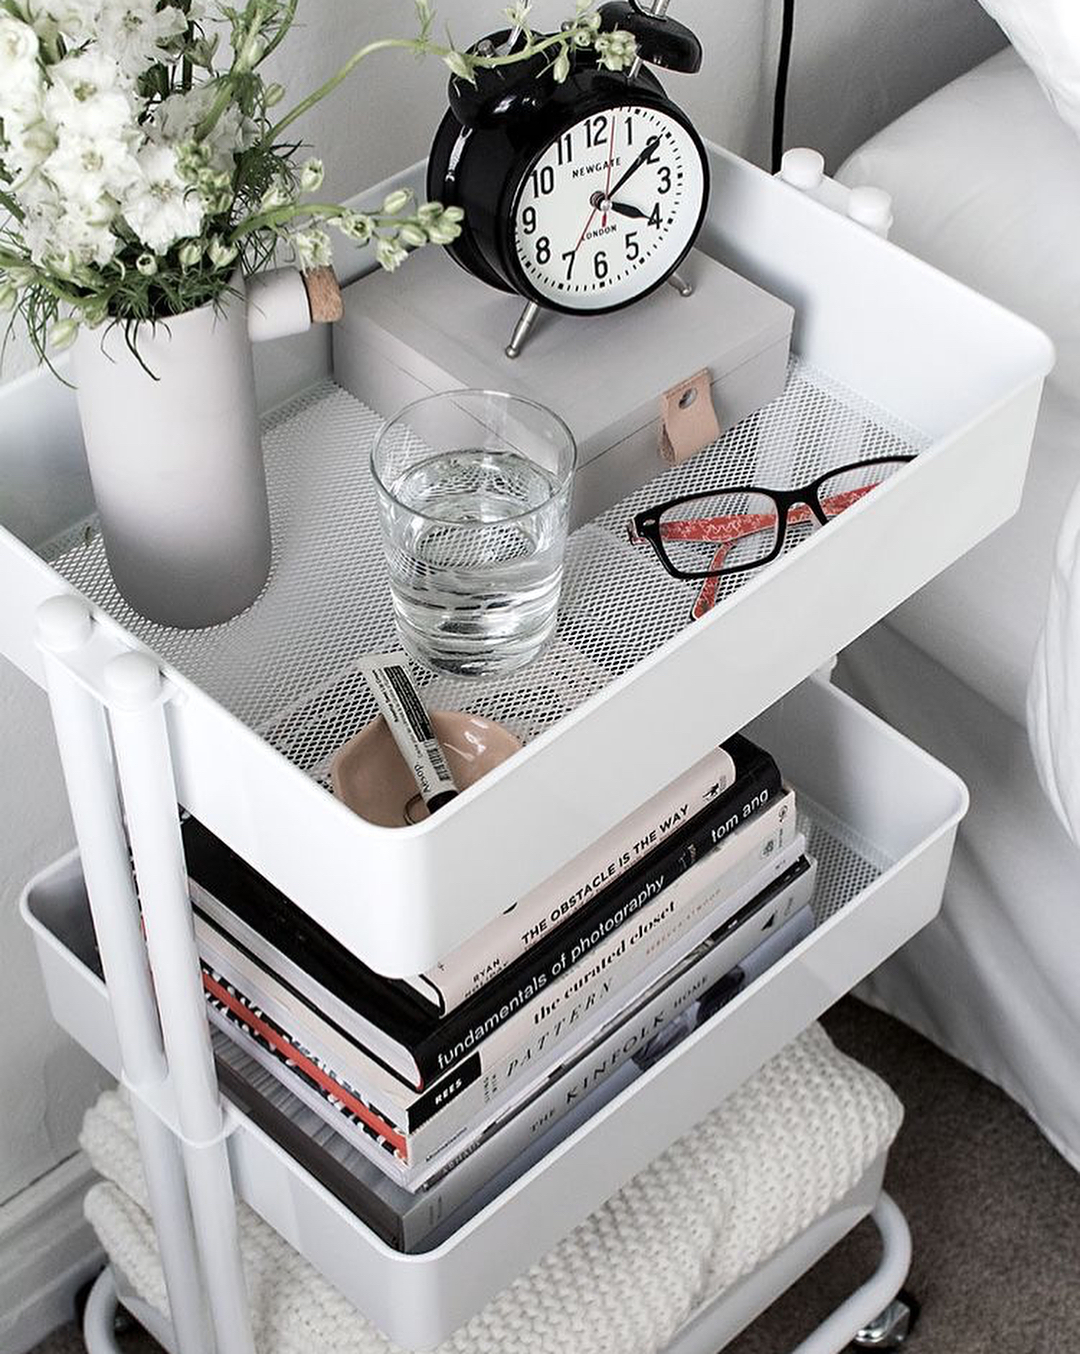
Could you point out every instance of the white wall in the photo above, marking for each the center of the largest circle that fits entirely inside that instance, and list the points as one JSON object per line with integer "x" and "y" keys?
{"x": 858, "y": 64}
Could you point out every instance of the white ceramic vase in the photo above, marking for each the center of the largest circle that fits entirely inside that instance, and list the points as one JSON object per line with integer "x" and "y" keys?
{"x": 176, "y": 463}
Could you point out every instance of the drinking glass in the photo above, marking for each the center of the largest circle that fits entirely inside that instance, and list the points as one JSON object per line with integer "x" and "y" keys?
{"x": 474, "y": 492}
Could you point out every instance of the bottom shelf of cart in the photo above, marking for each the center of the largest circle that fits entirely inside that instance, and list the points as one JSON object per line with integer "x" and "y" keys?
{"x": 882, "y": 818}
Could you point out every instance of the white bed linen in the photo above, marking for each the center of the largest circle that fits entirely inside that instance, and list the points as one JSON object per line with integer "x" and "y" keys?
{"x": 986, "y": 180}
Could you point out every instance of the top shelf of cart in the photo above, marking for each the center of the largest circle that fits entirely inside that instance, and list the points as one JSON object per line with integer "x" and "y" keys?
{"x": 890, "y": 356}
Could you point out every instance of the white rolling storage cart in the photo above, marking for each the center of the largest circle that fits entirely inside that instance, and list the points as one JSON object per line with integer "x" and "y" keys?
{"x": 237, "y": 725}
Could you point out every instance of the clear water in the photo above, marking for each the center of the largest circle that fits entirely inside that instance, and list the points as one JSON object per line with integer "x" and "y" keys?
{"x": 475, "y": 549}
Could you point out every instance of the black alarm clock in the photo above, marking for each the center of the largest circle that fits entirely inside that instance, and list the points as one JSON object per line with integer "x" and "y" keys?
{"x": 581, "y": 197}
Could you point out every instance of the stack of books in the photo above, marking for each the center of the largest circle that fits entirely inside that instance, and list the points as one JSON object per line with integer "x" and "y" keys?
{"x": 417, "y": 1100}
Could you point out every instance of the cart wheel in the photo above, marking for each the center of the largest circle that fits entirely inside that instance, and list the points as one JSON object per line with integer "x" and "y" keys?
{"x": 893, "y": 1328}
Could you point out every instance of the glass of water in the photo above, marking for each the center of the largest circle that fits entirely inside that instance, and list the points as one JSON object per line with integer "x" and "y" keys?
{"x": 474, "y": 492}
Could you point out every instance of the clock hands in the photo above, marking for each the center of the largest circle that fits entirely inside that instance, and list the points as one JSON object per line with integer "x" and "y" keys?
{"x": 603, "y": 201}
{"x": 647, "y": 154}
{"x": 625, "y": 209}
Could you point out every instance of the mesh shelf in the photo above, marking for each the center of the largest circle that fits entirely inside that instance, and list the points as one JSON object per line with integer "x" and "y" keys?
{"x": 287, "y": 667}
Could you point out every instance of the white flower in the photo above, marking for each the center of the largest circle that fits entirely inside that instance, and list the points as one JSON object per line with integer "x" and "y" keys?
{"x": 76, "y": 19}
{"x": 190, "y": 254}
{"x": 89, "y": 96}
{"x": 312, "y": 248}
{"x": 617, "y": 49}
{"x": 278, "y": 194}
{"x": 133, "y": 31}
{"x": 561, "y": 69}
{"x": 69, "y": 237}
{"x": 311, "y": 176}
{"x": 29, "y": 144}
{"x": 88, "y": 169}
{"x": 159, "y": 207}
{"x": 147, "y": 264}
{"x": 177, "y": 117}
{"x": 21, "y": 85}
{"x": 357, "y": 226}
{"x": 391, "y": 254}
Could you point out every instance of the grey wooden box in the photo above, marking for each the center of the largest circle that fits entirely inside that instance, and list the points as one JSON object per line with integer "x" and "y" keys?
{"x": 431, "y": 327}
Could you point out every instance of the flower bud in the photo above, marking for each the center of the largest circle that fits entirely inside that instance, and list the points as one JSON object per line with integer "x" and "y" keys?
{"x": 190, "y": 253}
{"x": 396, "y": 202}
{"x": 221, "y": 255}
{"x": 311, "y": 176}
{"x": 63, "y": 334}
{"x": 147, "y": 264}
{"x": 461, "y": 66}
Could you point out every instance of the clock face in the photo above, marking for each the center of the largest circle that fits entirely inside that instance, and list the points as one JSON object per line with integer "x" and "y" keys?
{"x": 609, "y": 209}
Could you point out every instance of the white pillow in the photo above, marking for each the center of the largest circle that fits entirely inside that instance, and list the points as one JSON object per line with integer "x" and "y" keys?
{"x": 1046, "y": 33}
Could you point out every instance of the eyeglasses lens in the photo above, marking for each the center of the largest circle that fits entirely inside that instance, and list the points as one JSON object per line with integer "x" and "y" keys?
{"x": 848, "y": 487}
{"x": 721, "y": 531}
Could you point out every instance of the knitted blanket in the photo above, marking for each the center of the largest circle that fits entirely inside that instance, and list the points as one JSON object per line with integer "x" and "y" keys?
{"x": 776, "y": 1156}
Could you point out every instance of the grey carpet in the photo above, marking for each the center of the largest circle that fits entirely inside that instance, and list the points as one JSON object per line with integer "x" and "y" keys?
{"x": 994, "y": 1212}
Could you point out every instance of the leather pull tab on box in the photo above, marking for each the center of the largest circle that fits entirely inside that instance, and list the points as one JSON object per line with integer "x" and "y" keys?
{"x": 688, "y": 422}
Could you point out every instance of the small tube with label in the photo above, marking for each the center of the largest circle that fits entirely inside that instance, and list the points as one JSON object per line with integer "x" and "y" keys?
{"x": 387, "y": 676}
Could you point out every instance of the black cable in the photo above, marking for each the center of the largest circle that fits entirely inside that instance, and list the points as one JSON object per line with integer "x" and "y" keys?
{"x": 783, "y": 72}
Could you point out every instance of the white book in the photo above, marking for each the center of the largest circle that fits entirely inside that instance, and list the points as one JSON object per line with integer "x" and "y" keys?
{"x": 480, "y": 958}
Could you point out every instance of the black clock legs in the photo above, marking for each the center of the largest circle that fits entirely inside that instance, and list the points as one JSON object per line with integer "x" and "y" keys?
{"x": 523, "y": 329}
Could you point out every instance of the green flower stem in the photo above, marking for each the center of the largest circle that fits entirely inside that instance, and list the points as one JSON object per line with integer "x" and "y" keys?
{"x": 11, "y": 206}
{"x": 281, "y": 216}
{"x": 326, "y": 211}
{"x": 225, "y": 89}
{"x": 286, "y": 23}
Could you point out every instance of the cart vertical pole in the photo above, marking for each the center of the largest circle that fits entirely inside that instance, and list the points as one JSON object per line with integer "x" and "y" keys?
{"x": 140, "y": 738}
{"x": 65, "y": 627}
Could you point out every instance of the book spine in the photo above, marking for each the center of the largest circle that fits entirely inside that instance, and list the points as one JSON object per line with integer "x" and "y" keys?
{"x": 576, "y": 1009}
{"x": 385, "y": 1094}
{"x": 573, "y": 940}
{"x": 322, "y": 1094}
{"x": 489, "y": 953}
{"x": 573, "y": 1082}
{"x": 333, "y": 1104}
{"x": 759, "y": 852}
{"x": 744, "y": 864}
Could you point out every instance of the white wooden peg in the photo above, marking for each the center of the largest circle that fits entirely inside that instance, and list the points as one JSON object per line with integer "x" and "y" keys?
{"x": 285, "y": 301}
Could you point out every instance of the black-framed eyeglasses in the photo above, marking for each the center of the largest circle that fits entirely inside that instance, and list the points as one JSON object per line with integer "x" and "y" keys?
{"x": 739, "y": 527}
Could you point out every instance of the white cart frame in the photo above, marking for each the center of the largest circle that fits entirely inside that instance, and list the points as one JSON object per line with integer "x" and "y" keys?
{"x": 136, "y": 737}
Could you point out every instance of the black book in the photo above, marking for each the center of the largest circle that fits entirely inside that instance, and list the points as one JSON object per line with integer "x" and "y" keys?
{"x": 386, "y": 1017}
